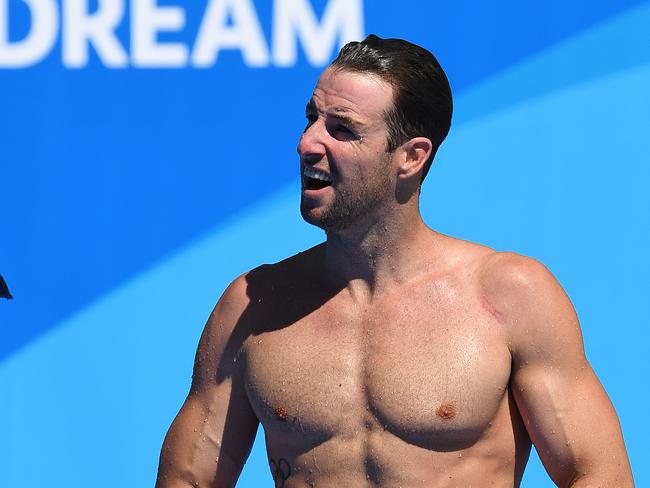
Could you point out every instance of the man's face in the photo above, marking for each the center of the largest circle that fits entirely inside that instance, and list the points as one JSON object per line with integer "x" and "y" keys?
{"x": 346, "y": 171}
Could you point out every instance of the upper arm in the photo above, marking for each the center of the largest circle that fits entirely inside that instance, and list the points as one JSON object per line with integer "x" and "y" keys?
{"x": 565, "y": 409}
{"x": 210, "y": 438}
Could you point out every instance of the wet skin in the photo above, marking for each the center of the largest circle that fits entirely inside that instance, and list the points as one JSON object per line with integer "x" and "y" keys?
{"x": 390, "y": 355}
{"x": 411, "y": 390}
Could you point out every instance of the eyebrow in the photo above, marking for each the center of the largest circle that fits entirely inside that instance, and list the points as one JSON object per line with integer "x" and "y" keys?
{"x": 339, "y": 113}
{"x": 346, "y": 119}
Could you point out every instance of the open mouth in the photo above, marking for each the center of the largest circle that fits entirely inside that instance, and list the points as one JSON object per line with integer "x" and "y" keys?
{"x": 315, "y": 179}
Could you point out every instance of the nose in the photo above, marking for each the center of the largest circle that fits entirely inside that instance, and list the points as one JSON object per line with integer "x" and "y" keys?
{"x": 311, "y": 146}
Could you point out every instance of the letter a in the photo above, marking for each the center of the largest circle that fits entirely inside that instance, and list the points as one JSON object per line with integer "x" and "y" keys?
{"x": 244, "y": 33}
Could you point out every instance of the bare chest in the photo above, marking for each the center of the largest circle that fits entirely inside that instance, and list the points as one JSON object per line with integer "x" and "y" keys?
{"x": 433, "y": 374}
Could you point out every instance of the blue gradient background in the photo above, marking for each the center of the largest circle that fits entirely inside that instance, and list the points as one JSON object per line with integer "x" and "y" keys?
{"x": 131, "y": 198}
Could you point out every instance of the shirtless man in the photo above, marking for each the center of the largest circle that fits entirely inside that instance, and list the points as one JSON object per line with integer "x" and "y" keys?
{"x": 390, "y": 355}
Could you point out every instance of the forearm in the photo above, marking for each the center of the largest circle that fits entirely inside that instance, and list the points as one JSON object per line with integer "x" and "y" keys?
{"x": 620, "y": 479}
{"x": 589, "y": 482}
{"x": 179, "y": 466}
{"x": 164, "y": 482}
{"x": 173, "y": 474}
{"x": 192, "y": 468}
{"x": 224, "y": 477}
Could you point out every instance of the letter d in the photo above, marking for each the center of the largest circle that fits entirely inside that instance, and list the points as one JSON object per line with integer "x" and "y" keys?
{"x": 39, "y": 40}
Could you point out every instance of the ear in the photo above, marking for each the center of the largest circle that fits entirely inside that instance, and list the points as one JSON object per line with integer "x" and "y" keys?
{"x": 416, "y": 151}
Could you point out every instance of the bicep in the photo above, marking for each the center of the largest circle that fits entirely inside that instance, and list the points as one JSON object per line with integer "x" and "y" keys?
{"x": 565, "y": 409}
{"x": 210, "y": 438}
{"x": 569, "y": 419}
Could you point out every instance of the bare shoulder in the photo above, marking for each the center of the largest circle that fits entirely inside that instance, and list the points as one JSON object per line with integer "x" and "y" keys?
{"x": 262, "y": 283}
{"x": 504, "y": 278}
{"x": 460, "y": 255}
{"x": 252, "y": 296}
{"x": 525, "y": 296}
{"x": 230, "y": 307}
{"x": 245, "y": 309}
{"x": 514, "y": 276}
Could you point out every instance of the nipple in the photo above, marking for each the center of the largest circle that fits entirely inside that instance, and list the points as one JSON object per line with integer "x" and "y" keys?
{"x": 446, "y": 412}
{"x": 281, "y": 414}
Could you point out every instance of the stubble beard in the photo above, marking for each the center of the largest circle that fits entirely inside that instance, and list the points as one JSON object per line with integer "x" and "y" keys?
{"x": 350, "y": 205}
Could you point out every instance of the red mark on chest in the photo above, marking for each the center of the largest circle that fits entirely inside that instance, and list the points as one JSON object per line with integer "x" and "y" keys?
{"x": 446, "y": 412}
{"x": 281, "y": 414}
{"x": 489, "y": 308}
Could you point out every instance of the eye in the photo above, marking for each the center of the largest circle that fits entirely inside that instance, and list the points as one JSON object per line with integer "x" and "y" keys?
{"x": 342, "y": 132}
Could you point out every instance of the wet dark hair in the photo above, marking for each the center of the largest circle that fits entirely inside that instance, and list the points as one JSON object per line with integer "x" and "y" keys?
{"x": 422, "y": 103}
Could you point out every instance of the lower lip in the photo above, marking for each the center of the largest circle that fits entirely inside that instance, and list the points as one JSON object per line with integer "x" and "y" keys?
{"x": 315, "y": 193}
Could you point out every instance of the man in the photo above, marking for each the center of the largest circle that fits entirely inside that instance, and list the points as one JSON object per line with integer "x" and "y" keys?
{"x": 390, "y": 355}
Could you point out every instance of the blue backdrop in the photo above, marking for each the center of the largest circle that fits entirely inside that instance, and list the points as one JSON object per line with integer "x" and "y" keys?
{"x": 147, "y": 157}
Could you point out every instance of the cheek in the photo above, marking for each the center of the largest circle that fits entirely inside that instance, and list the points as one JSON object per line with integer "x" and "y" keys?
{"x": 358, "y": 162}
{"x": 354, "y": 173}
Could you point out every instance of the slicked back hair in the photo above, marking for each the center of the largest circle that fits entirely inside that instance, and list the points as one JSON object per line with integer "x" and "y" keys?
{"x": 422, "y": 103}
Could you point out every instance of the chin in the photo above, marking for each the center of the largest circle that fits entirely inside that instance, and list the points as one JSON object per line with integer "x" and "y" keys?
{"x": 311, "y": 215}
{"x": 324, "y": 223}
{"x": 338, "y": 216}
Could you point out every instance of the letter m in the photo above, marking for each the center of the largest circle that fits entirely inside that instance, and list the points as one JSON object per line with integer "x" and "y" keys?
{"x": 293, "y": 19}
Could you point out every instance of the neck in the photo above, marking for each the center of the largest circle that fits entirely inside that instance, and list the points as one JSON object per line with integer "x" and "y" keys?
{"x": 371, "y": 258}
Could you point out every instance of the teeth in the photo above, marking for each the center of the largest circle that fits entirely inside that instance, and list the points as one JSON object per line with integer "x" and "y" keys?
{"x": 316, "y": 174}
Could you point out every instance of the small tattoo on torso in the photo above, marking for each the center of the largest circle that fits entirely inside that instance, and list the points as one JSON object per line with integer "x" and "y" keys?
{"x": 280, "y": 470}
